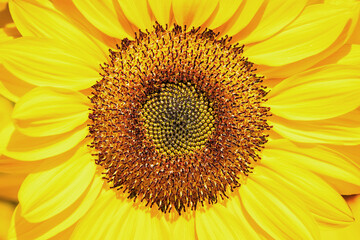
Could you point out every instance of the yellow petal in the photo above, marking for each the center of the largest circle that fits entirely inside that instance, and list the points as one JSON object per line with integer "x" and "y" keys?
{"x": 349, "y": 54}
{"x": 46, "y": 111}
{"x": 60, "y": 187}
{"x": 311, "y": 33}
{"x": 154, "y": 226}
{"x": 103, "y": 15}
{"x": 336, "y": 169}
{"x": 22, "y": 229}
{"x": 220, "y": 222}
{"x": 137, "y": 12}
{"x": 182, "y": 227}
{"x": 355, "y": 37}
{"x": 41, "y": 19}
{"x": 115, "y": 219}
{"x": 6, "y": 125}
{"x": 279, "y": 212}
{"x": 276, "y": 16}
{"x": 225, "y": 10}
{"x": 351, "y": 152}
{"x": 22, "y": 147}
{"x": 107, "y": 212}
{"x": 342, "y": 130}
{"x": 324, "y": 202}
{"x": 193, "y": 13}
{"x": 161, "y": 10}
{"x": 242, "y": 17}
{"x": 350, "y": 232}
{"x": 352, "y": 57}
{"x": 65, "y": 67}
{"x": 10, "y": 165}
{"x": 321, "y": 93}
{"x": 6, "y": 210}
{"x": 12, "y": 87}
{"x": 291, "y": 69}
{"x": 9, "y": 186}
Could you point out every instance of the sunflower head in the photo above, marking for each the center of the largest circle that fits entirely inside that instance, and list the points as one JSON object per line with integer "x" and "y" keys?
{"x": 177, "y": 118}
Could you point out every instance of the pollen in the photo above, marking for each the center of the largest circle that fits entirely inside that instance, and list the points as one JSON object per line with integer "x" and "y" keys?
{"x": 177, "y": 119}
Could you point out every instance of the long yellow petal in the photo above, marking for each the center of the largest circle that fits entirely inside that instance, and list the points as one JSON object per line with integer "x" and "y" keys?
{"x": 48, "y": 111}
{"x": 124, "y": 216}
{"x": 342, "y": 130}
{"x": 225, "y": 11}
{"x": 10, "y": 165}
{"x": 22, "y": 147}
{"x": 161, "y": 10}
{"x": 336, "y": 169}
{"x": 223, "y": 222}
{"x": 314, "y": 31}
{"x": 103, "y": 15}
{"x": 244, "y": 14}
{"x": 182, "y": 227}
{"x": 6, "y": 125}
{"x": 350, "y": 232}
{"x": 321, "y": 93}
{"x": 276, "y": 16}
{"x": 137, "y": 12}
{"x": 12, "y": 87}
{"x": 22, "y": 229}
{"x": 60, "y": 187}
{"x": 41, "y": 19}
{"x": 324, "y": 202}
{"x": 26, "y": 57}
{"x": 193, "y": 13}
{"x": 279, "y": 212}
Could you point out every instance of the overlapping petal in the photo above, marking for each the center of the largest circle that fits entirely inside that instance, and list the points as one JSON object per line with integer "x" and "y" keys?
{"x": 336, "y": 169}
{"x": 242, "y": 17}
{"x": 22, "y": 147}
{"x": 193, "y": 13}
{"x": 316, "y": 94}
{"x": 224, "y": 222}
{"x": 137, "y": 12}
{"x": 225, "y": 10}
{"x": 116, "y": 219}
{"x": 26, "y": 57}
{"x": 12, "y": 87}
{"x": 342, "y": 130}
{"x": 58, "y": 190}
{"x": 103, "y": 15}
{"x": 30, "y": 15}
{"x": 324, "y": 202}
{"x": 276, "y": 15}
{"x": 48, "y": 111}
{"x": 311, "y": 33}
{"x": 276, "y": 209}
{"x": 22, "y": 229}
{"x": 6, "y": 126}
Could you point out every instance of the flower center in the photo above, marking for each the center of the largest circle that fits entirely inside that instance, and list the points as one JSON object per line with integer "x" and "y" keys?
{"x": 177, "y": 118}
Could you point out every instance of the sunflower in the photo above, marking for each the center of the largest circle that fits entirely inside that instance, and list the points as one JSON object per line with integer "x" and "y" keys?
{"x": 191, "y": 119}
